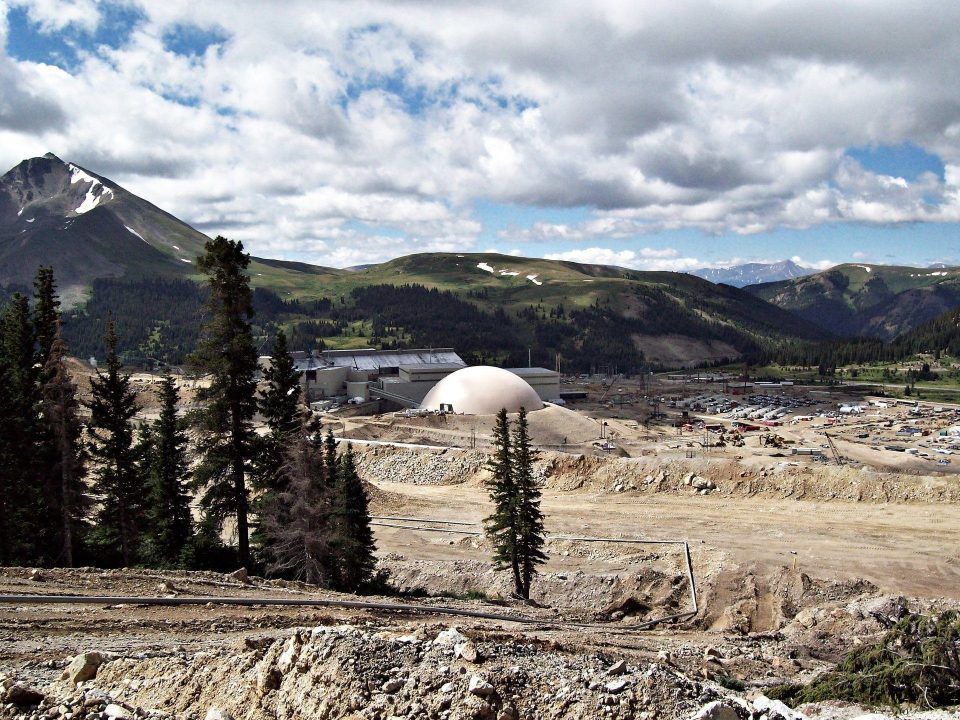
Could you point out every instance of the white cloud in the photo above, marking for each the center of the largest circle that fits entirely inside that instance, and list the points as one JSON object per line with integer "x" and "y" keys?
{"x": 643, "y": 259}
{"x": 398, "y": 116}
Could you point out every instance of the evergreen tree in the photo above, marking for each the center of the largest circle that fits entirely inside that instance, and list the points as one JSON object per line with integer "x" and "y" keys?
{"x": 279, "y": 405}
{"x": 296, "y": 523}
{"x": 46, "y": 312}
{"x": 528, "y": 516}
{"x": 354, "y": 537}
{"x": 227, "y": 354}
{"x": 118, "y": 480}
{"x": 501, "y": 527}
{"x": 330, "y": 459}
{"x": 168, "y": 512}
{"x": 60, "y": 410}
{"x": 21, "y": 496}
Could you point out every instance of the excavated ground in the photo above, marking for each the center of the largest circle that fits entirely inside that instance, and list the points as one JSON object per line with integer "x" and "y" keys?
{"x": 794, "y": 568}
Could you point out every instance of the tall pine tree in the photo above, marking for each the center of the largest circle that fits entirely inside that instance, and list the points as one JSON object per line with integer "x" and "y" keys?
{"x": 46, "y": 312}
{"x": 280, "y": 408}
{"x": 61, "y": 414}
{"x": 168, "y": 510}
{"x": 21, "y": 496}
{"x": 354, "y": 538}
{"x": 297, "y": 524}
{"x": 330, "y": 459}
{"x": 501, "y": 526}
{"x": 118, "y": 480}
{"x": 528, "y": 516}
{"x": 227, "y": 355}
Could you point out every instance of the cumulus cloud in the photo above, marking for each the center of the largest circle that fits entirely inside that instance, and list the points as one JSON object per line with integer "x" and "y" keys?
{"x": 303, "y": 130}
{"x": 642, "y": 259}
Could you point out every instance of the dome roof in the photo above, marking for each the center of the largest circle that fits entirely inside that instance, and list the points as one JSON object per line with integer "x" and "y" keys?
{"x": 482, "y": 390}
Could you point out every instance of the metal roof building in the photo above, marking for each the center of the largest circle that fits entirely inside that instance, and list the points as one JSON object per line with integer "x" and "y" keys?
{"x": 389, "y": 361}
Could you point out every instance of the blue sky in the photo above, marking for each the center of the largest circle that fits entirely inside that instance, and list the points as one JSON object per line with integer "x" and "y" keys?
{"x": 640, "y": 135}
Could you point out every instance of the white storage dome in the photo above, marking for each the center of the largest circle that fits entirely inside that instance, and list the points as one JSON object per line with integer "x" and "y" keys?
{"x": 482, "y": 390}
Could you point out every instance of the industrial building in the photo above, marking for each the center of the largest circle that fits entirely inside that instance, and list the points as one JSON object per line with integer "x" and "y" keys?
{"x": 380, "y": 380}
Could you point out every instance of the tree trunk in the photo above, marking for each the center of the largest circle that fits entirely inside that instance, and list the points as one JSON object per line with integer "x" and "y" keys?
{"x": 124, "y": 538}
{"x": 65, "y": 493}
{"x": 515, "y": 562}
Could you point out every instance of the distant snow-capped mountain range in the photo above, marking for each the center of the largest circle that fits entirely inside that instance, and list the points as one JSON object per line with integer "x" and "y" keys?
{"x": 754, "y": 273}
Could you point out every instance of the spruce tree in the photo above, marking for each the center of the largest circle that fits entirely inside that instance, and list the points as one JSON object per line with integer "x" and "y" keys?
{"x": 168, "y": 510}
{"x": 60, "y": 412}
{"x": 528, "y": 516}
{"x": 296, "y": 523}
{"x": 117, "y": 476}
{"x": 21, "y": 496}
{"x": 280, "y": 407}
{"x": 226, "y": 354}
{"x": 46, "y": 312}
{"x": 330, "y": 461}
{"x": 501, "y": 526}
{"x": 355, "y": 546}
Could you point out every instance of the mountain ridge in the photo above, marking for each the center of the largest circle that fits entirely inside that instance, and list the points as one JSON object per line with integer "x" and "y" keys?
{"x": 753, "y": 273}
{"x": 98, "y": 233}
{"x": 865, "y": 299}
{"x": 94, "y": 228}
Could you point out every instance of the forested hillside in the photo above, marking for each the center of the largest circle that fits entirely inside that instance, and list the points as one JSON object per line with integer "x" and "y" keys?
{"x": 589, "y": 316}
{"x": 939, "y": 336}
{"x": 867, "y": 300}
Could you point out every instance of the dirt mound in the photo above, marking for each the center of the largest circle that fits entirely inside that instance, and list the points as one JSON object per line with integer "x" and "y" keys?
{"x": 566, "y": 472}
{"x": 352, "y": 672}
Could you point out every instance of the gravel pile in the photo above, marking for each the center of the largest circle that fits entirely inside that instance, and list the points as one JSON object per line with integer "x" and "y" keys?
{"x": 355, "y": 672}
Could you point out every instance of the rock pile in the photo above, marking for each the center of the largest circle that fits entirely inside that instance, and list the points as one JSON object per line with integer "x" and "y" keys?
{"x": 349, "y": 671}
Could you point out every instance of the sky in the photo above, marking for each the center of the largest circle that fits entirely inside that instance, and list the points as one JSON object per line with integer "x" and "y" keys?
{"x": 653, "y": 135}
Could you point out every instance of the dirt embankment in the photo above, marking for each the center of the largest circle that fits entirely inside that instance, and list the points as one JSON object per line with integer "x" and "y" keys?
{"x": 566, "y": 472}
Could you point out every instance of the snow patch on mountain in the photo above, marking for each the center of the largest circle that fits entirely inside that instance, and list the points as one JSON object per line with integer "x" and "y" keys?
{"x": 77, "y": 174}
{"x": 484, "y": 266}
{"x": 134, "y": 232}
{"x": 533, "y": 279}
{"x": 93, "y": 199}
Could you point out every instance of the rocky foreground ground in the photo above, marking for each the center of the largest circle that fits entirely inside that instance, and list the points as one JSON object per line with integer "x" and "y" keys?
{"x": 209, "y": 662}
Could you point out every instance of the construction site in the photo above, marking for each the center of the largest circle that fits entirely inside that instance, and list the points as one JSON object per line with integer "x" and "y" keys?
{"x": 709, "y": 541}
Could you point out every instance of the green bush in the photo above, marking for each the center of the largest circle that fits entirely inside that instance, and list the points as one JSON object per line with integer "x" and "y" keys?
{"x": 917, "y": 662}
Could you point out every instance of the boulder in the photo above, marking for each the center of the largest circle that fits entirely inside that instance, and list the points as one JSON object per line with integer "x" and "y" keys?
{"x": 480, "y": 687}
{"x": 775, "y": 710}
{"x": 467, "y": 651}
{"x": 392, "y": 685}
{"x": 215, "y": 713}
{"x": 83, "y": 667}
{"x": 117, "y": 712}
{"x": 240, "y": 575}
{"x": 716, "y": 710}
{"x": 616, "y": 686}
{"x": 618, "y": 668}
{"x": 22, "y": 696}
{"x": 451, "y": 637}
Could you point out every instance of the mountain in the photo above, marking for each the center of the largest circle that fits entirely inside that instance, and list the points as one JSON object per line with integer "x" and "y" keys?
{"x": 672, "y": 319}
{"x": 753, "y": 273}
{"x": 89, "y": 227}
{"x": 116, "y": 254}
{"x": 880, "y": 301}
